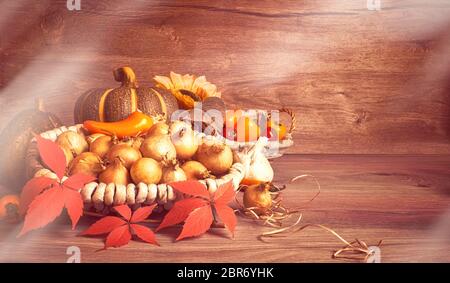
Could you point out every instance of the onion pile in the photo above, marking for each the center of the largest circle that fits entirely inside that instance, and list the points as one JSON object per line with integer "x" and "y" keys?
{"x": 166, "y": 153}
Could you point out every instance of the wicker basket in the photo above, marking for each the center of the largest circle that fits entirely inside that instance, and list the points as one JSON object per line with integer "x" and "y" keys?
{"x": 100, "y": 197}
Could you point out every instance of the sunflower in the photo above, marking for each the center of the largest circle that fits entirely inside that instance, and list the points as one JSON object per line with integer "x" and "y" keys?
{"x": 187, "y": 89}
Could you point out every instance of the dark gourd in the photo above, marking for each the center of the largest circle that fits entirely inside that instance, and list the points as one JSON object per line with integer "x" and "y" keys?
{"x": 15, "y": 139}
{"x": 110, "y": 105}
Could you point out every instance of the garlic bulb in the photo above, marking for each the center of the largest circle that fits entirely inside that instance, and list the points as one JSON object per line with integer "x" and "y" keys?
{"x": 257, "y": 167}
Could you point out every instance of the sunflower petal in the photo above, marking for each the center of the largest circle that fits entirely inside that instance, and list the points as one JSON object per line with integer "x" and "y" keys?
{"x": 164, "y": 82}
{"x": 177, "y": 80}
{"x": 187, "y": 81}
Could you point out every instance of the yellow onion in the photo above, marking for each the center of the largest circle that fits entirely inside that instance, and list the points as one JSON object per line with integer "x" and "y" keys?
{"x": 127, "y": 154}
{"x": 115, "y": 173}
{"x": 258, "y": 196}
{"x": 68, "y": 154}
{"x": 91, "y": 138}
{"x": 158, "y": 147}
{"x": 173, "y": 174}
{"x": 134, "y": 142}
{"x": 184, "y": 140}
{"x": 101, "y": 145}
{"x": 160, "y": 128}
{"x": 217, "y": 157}
{"x": 146, "y": 170}
{"x": 87, "y": 163}
{"x": 194, "y": 170}
{"x": 72, "y": 141}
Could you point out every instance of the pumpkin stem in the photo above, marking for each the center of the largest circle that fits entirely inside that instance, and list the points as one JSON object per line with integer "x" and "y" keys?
{"x": 126, "y": 76}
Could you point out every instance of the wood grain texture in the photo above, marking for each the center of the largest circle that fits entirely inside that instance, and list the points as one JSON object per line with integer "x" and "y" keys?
{"x": 360, "y": 81}
{"x": 404, "y": 200}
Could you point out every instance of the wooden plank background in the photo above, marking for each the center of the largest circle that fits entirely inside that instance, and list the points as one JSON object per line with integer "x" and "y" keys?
{"x": 360, "y": 81}
{"x": 402, "y": 200}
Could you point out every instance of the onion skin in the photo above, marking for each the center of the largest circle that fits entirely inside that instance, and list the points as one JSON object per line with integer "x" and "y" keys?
{"x": 194, "y": 170}
{"x": 216, "y": 157}
{"x": 160, "y": 128}
{"x": 258, "y": 196}
{"x": 115, "y": 173}
{"x": 86, "y": 163}
{"x": 146, "y": 170}
{"x": 173, "y": 174}
{"x": 68, "y": 154}
{"x": 126, "y": 153}
{"x": 159, "y": 148}
{"x": 72, "y": 141}
{"x": 101, "y": 145}
{"x": 91, "y": 138}
{"x": 183, "y": 139}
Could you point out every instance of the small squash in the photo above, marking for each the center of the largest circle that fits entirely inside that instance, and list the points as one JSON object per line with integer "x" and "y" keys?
{"x": 15, "y": 139}
{"x": 111, "y": 105}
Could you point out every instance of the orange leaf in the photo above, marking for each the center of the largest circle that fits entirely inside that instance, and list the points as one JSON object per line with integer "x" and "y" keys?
{"x": 197, "y": 223}
{"x": 74, "y": 205}
{"x": 43, "y": 209}
{"x": 225, "y": 193}
{"x": 142, "y": 213}
{"x": 180, "y": 211}
{"x": 226, "y": 214}
{"x": 124, "y": 211}
{"x": 104, "y": 225}
{"x": 144, "y": 233}
{"x": 52, "y": 155}
{"x": 118, "y": 237}
{"x": 192, "y": 188}
{"x": 32, "y": 189}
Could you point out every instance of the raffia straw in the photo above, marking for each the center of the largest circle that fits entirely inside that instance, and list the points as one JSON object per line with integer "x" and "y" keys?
{"x": 352, "y": 250}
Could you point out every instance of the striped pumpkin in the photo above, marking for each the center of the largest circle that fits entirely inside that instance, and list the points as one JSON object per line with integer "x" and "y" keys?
{"x": 109, "y": 105}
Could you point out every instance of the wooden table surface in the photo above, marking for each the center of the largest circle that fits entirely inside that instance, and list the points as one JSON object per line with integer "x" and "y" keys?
{"x": 402, "y": 200}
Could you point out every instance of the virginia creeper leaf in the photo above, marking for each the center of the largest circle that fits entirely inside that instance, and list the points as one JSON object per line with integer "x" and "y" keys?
{"x": 192, "y": 188}
{"x": 77, "y": 181}
{"x": 104, "y": 225}
{"x": 32, "y": 189}
{"x": 74, "y": 205}
{"x": 225, "y": 193}
{"x": 198, "y": 222}
{"x": 142, "y": 213}
{"x": 226, "y": 214}
{"x": 144, "y": 233}
{"x": 124, "y": 211}
{"x": 118, "y": 237}
{"x": 52, "y": 155}
{"x": 180, "y": 211}
{"x": 43, "y": 209}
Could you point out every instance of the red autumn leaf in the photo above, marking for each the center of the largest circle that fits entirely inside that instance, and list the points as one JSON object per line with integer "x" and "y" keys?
{"x": 120, "y": 230}
{"x": 77, "y": 181}
{"x": 224, "y": 193}
{"x": 180, "y": 211}
{"x": 74, "y": 205}
{"x": 226, "y": 214}
{"x": 198, "y": 222}
{"x": 52, "y": 155}
{"x": 123, "y": 211}
{"x": 118, "y": 237}
{"x": 192, "y": 188}
{"x": 43, "y": 209}
{"x": 104, "y": 225}
{"x": 142, "y": 213}
{"x": 198, "y": 212}
{"x": 32, "y": 189}
{"x": 144, "y": 233}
